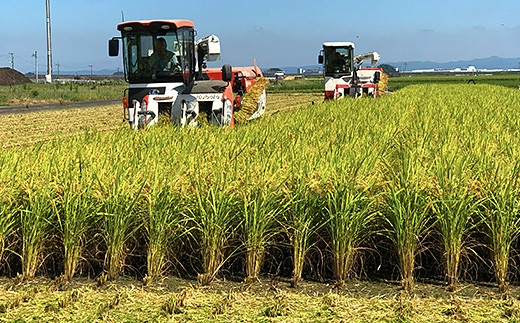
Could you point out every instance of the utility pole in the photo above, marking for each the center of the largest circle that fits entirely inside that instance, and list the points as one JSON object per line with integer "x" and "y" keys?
{"x": 35, "y": 55}
{"x": 49, "y": 50}
{"x": 405, "y": 64}
{"x": 58, "y": 65}
{"x": 12, "y": 60}
{"x": 90, "y": 70}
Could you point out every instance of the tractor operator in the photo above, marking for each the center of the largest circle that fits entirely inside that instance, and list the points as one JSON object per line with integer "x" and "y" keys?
{"x": 337, "y": 63}
{"x": 162, "y": 60}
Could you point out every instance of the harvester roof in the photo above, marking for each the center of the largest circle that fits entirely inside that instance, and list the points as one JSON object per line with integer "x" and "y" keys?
{"x": 178, "y": 23}
{"x": 338, "y": 44}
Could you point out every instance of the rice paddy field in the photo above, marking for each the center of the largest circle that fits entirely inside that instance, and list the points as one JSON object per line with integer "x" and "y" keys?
{"x": 401, "y": 208}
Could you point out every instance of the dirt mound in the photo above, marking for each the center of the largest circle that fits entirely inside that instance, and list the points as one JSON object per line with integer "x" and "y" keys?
{"x": 8, "y": 76}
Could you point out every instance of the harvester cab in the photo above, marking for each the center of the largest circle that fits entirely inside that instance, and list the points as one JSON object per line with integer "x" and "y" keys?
{"x": 343, "y": 73}
{"x": 168, "y": 79}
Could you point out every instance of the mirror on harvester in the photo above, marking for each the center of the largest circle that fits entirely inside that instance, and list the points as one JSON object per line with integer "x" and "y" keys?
{"x": 227, "y": 73}
{"x": 320, "y": 59}
{"x": 113, "y": 47}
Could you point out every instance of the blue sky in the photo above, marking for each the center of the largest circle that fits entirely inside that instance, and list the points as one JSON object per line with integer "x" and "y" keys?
{"x": 277, "y": 33}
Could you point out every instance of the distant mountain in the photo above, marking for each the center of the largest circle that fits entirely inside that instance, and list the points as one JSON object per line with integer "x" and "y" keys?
{"x": 493, "y": 62}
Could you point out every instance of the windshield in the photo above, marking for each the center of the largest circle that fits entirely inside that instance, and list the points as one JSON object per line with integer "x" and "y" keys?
{"x": 338, "y": 60}
{"x": 159, "y": 57}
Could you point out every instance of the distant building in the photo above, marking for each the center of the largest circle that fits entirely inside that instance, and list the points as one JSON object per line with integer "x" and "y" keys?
{"x": 470, "y": 69}
{"x": 312, "y": 71}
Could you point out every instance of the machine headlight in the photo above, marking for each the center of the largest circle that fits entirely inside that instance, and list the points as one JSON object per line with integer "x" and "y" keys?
{"x": 144, "y": 105}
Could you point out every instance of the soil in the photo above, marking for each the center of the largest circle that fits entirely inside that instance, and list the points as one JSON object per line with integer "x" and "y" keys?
{"x": 8, "y": 76}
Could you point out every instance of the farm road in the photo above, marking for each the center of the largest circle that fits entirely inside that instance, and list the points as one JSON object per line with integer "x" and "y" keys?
{"x": 21, "y": 109}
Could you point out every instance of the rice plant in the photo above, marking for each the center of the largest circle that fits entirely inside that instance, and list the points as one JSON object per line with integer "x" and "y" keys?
{"x": 406, "y": 213}
{"x": 165, "y": 223}
{"x": 214, "y": 220}
{"x": 302, "y": 219}
{"x": 119, "y": 213}
{"x": 259, "y": 209}
{"x": 34, "y": 223}
{"x": 298, "y": 172}
{"x": 7, "y": 227}
{"x": 76, "y": 211}
{"x": 501, "y": 220}
{"x": 453, "y": 207}
{"x": 351, "y": 221}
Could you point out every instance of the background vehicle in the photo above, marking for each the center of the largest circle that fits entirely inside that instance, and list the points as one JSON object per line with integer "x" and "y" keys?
{"x": 343, "y": 73}
{"x": 167, "y": 75}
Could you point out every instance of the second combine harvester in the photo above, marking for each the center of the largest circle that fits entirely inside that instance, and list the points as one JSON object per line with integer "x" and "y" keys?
{"x": 167, "y": 75}
{"x": 344, "y": 75}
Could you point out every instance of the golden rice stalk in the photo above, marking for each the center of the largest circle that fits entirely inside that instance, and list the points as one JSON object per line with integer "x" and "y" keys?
{"x": 250, "y": 100}
{"x": 383, "y": 84}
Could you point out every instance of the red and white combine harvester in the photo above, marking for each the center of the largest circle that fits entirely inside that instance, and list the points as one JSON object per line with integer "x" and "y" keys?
{"x": 167, "y": 75}
{"x": 343, "y": 73}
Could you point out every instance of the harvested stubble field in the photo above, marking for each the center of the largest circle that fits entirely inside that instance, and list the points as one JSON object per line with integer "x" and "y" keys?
{"x": 181, "y": 300}
{"x": 31, "y": 128}
{"x": 421, "y": 184}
